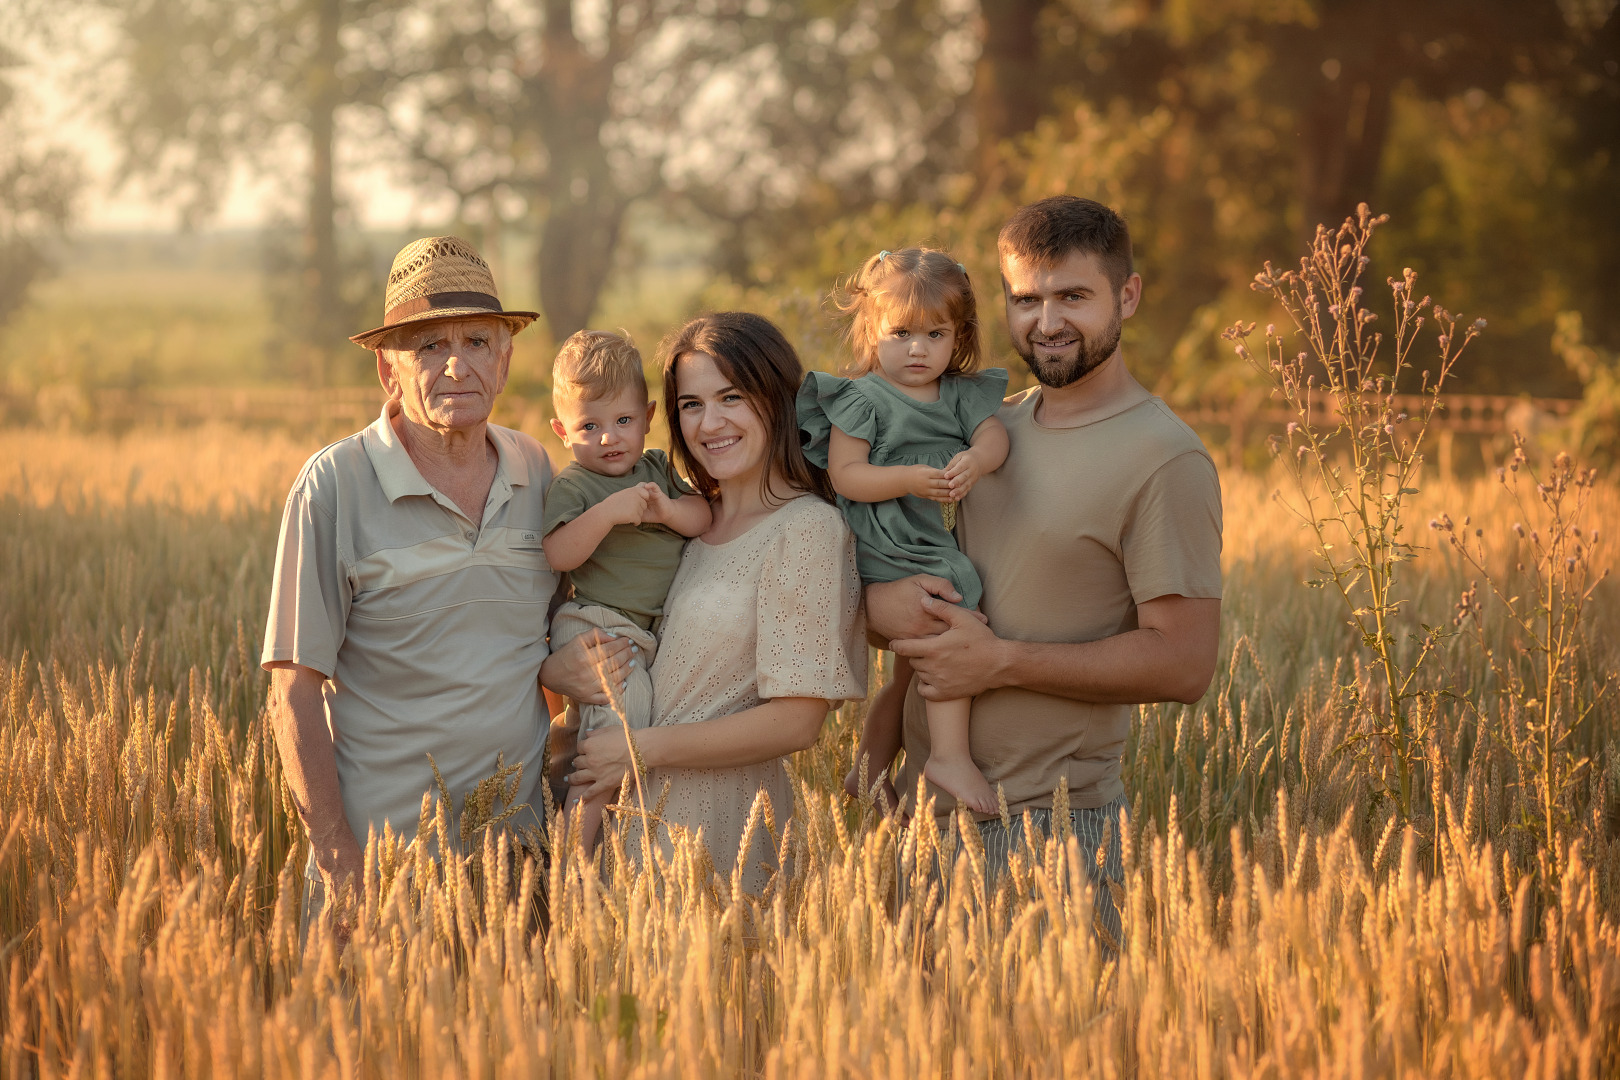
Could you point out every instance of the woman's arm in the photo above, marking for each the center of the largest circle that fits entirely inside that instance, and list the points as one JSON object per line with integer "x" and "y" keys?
{"x": 855, "y": 478}
{"x": 769, "y": 730}
{"x": 987, "y": 451}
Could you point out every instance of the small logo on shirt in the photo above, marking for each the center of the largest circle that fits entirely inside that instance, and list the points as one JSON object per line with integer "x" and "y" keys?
{"x": 523, "y": 540}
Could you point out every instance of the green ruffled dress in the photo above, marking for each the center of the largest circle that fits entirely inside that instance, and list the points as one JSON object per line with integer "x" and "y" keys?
{"x": 904, "y": 536}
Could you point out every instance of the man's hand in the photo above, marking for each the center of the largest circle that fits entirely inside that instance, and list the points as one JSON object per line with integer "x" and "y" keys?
{"x": 899, "y": 609}
{"x": 964, "y": 661}
{"x": 587, "y": 665}
{"x": 309, "y": 766}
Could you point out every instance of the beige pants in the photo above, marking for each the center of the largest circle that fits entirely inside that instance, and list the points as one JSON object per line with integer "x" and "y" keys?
{"x": 635, "y": 700}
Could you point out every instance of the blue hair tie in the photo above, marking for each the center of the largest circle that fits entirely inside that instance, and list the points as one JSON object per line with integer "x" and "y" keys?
{"x": 962, "y": 268}
{"x": 884, "y": 254}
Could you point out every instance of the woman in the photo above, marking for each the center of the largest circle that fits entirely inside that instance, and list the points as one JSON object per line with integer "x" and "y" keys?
{"x": 763, "y": 631}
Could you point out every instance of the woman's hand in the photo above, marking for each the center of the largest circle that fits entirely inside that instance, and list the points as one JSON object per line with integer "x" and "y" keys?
{"x": 603, "y": 761}
{"x": 927, "y": 482}
{"x": 585, "y": 667}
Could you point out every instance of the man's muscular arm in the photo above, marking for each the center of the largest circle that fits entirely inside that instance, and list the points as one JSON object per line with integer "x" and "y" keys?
{"x": 298, "y": 717}
{"x": 1169, "y": 657}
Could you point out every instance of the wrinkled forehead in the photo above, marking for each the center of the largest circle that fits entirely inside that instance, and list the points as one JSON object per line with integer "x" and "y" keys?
{"x": 412, "y": 338}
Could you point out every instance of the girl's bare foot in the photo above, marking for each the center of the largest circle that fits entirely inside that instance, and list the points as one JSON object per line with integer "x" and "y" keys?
{"x": 964, "y": 780}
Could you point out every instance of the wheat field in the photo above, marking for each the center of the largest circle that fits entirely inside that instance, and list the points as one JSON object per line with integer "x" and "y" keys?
{"x": 1279, "y": 919}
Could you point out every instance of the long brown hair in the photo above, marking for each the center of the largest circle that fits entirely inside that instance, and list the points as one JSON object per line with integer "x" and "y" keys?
{"x": 756, "y": 359}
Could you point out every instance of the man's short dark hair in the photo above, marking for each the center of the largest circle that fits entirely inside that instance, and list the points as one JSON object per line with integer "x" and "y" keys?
{"x": 1046, "y": 232}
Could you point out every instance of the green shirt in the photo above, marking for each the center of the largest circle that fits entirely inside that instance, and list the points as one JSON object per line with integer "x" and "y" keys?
{"x": 631, "y": 568}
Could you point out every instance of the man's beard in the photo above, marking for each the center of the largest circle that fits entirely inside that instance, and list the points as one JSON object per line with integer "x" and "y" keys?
{"x": 1088, "y": 356}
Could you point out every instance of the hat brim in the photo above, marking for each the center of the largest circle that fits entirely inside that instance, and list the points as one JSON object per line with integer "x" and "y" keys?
{"x": 517, "y": 320}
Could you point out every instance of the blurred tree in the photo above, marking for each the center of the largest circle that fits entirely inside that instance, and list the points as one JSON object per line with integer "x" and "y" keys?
{"x": 195, "y": 88}
{"x": 37, "y": 190}
{"x": 756, "y": 117}
{"x": 1263, "y": 118}
{"x": 525, "y": 109}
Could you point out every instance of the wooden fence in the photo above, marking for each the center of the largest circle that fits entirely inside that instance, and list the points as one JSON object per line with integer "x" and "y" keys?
{"x": 1232, "y": 426}
{"x": 1483, "y": 416}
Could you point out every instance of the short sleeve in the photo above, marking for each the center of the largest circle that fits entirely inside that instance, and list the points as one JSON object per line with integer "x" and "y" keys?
{"x": 812, "y": 633}
{"x": 667, "y": 478}
{"x": 977, "y": 397}
{"x": 309, "y": 596}
{"x": 1171, "y": 541}
{"x": 564, "y": 501}
{"x": 828, "y": 401}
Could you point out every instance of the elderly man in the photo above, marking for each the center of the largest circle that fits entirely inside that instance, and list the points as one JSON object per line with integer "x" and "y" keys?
{"x": 1098, "y": 543}
{"x": 408, "y": 614}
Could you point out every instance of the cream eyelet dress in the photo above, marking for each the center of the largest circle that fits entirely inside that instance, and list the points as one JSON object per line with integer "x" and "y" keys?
{"x": 773, "y": 613}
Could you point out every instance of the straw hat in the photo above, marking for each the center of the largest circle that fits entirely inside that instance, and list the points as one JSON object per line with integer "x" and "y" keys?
{"x": 439, "y": 277}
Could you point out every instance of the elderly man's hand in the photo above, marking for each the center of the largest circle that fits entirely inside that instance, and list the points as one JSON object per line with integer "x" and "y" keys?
{"x": 964, "y": 661}
{"x": 585, "y": 667}
{"x": 901, "y": 609}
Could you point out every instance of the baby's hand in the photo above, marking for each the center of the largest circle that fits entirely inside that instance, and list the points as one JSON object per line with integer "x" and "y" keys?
{"x": 628, "y": 507}
{"x": 963, "y": 471}
{"x": 658, "y": 505}
{"x": 927, "y": 482}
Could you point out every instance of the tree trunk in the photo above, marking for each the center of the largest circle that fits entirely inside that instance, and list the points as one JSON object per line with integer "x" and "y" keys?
{"x": 584, "y": 205}
{"x": 321, "y": 275}
{"x": 1007, "y": 84}
{"x": 1345, "y": 127}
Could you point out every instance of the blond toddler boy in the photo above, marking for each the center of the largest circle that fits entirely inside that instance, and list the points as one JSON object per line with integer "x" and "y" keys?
{"x": 615, "y": 522}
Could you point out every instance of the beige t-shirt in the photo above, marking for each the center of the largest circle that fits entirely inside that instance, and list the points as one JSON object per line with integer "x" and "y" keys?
{"x": 1078, "y": 527}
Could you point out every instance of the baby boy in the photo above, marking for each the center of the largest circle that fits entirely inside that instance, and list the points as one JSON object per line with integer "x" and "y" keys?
{"x": 615, "y": 521}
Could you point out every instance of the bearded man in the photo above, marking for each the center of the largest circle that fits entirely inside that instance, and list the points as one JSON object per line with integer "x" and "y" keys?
{"x": 1098, "y": 543}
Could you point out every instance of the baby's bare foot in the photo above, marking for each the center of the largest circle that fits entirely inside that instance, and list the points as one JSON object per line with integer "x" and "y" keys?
{"x": 852, "y": 783}
{"x": 964, "y": 780}
{"x": 886, "y": 797}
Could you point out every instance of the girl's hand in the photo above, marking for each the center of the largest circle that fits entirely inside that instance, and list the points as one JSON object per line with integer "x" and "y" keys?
{"x": 927, "y": 482}
{"x": 963, "y": 471}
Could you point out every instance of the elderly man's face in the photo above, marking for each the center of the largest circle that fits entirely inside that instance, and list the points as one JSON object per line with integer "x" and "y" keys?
{"x": 446, "y": 374}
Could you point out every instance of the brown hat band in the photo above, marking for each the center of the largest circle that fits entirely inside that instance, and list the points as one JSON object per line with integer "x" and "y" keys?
{"x": 401, "y": 312}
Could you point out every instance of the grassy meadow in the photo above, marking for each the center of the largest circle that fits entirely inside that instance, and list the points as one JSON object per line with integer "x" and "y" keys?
{"x": 1279, "y": 919}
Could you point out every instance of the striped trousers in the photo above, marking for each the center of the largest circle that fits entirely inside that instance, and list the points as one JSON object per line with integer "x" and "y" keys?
{"x": 1091, "y": 828}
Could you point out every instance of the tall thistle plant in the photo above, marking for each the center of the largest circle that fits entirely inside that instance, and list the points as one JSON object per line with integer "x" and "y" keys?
{"x": 1544, "y": 682}
{"x": 1353, "y": 453}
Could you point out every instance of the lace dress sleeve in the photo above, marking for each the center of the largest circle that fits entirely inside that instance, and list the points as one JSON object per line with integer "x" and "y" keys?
{"x": 812, "y": 633}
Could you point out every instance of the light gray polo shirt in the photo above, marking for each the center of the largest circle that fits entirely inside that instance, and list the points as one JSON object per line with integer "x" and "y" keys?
{"x": 429, "y": 627}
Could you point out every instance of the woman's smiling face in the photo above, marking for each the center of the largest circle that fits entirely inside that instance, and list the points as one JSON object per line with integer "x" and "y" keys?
{"x": 723, "y": 432}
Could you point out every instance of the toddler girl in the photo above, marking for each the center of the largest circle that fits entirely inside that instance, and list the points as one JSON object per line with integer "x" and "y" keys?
{"x": 902, "y": 443}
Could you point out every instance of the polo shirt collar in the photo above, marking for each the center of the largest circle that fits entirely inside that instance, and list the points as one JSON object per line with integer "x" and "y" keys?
{"x": 397, "y": 473}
